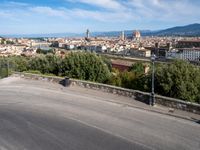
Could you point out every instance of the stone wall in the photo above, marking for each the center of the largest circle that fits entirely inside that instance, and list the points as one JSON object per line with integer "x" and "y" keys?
{"x": 136, "y": 95}
{"x": 38, "y": 77}
{"x": 178, "y": 104}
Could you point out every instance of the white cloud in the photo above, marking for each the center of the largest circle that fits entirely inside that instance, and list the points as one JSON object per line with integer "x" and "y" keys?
{"x": 16, "y": 4}
{"x": 102, "y": 16}
{"x": 83, "y": 14}
{"x": 164, "y": 9}
{"x": 4, "y": 14}
{"x": 159, "y": 10}
{"x": 48, "y": 11}
{"x": 108, "y": 4}
{"x": 7, "y": 15}
{"x": 114, "y": 11}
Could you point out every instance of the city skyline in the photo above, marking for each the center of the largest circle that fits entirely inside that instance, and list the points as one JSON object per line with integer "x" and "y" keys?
{"x": 75, "y": 16}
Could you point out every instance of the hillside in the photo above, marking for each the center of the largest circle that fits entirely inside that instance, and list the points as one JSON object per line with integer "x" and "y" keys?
{"x": 189, "y": 30}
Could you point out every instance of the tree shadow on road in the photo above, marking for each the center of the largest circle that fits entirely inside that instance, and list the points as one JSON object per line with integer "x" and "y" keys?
{"x": 144, "y": 98}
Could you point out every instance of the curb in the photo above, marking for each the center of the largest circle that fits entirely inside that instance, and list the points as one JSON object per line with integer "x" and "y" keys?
{"x": 155, "y": 111}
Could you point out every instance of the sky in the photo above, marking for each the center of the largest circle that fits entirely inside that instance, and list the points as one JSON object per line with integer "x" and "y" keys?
{"x": 75, "y": 16}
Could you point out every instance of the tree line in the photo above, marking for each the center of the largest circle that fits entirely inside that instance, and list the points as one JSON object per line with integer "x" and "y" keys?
{"x": 177, "y": 79}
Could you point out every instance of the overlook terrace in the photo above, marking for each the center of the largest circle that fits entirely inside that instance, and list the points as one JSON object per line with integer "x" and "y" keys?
{"x": 47, "y": 116}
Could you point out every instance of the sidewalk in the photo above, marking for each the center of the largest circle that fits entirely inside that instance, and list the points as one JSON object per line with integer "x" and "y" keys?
{"x": 129, "y": 102}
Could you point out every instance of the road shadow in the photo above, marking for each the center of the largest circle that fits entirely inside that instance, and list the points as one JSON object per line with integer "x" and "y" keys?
{"x": 198, "y": 121}
{"x": 61, "y": 82}
{"x": 144, "y": 98}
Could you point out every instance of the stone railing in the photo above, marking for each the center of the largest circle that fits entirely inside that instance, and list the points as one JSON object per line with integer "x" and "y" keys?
{"x": 136, "y": 95}
{"x": 38, "y": 77}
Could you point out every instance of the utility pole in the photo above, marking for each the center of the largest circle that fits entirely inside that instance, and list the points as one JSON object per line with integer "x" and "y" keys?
{"x": 8, "y": 67}
{"x": 0, "y": 69}
{"x": 152, "y": 97}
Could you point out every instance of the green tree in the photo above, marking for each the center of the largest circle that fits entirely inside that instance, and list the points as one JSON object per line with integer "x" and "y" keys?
{"x": 39, "y": 63}
{"x": 107, "y": 61}
{"x": 54, "y": 63}
{"x": 10, "y": 42}
{"x": 18, "y": 63}
{"x": 115, "y": 78}
{"x": 179, "y": 80}
{"x": 85, "y": 66}
{"x": 127, "y": 79}
{"x": 3, "y": 67}
{"x": 138, "y": 68}
{"x": 2, "y": 41}
{"x": 42, "y": 51}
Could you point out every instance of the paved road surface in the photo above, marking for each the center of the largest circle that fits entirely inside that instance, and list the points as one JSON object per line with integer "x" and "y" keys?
{"x": 36, "y": 115}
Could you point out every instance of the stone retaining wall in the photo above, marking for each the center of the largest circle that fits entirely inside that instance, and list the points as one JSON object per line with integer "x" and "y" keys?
{"x": 38, "y": 77}
{"x": 136, "y": 95}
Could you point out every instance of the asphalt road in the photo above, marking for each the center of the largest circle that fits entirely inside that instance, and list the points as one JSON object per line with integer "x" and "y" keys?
{"x": 36, "y": 115}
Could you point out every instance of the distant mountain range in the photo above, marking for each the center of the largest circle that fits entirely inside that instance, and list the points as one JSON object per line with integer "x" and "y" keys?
{"x": 188, "y": 30}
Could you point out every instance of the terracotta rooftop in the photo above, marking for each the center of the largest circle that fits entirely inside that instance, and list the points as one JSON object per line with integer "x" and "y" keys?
{"x": 122, "y": 62}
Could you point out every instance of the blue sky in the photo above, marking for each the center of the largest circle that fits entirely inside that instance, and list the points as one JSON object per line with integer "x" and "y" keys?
{"x": 75, "y": 16}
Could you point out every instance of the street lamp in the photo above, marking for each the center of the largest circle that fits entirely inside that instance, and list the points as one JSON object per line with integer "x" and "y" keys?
{"x": 152, "y": 97}
{"x": 8, "y": 68}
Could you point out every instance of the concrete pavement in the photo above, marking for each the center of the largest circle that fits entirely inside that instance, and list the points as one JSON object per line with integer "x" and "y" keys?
{"x": 39, "y": 115}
